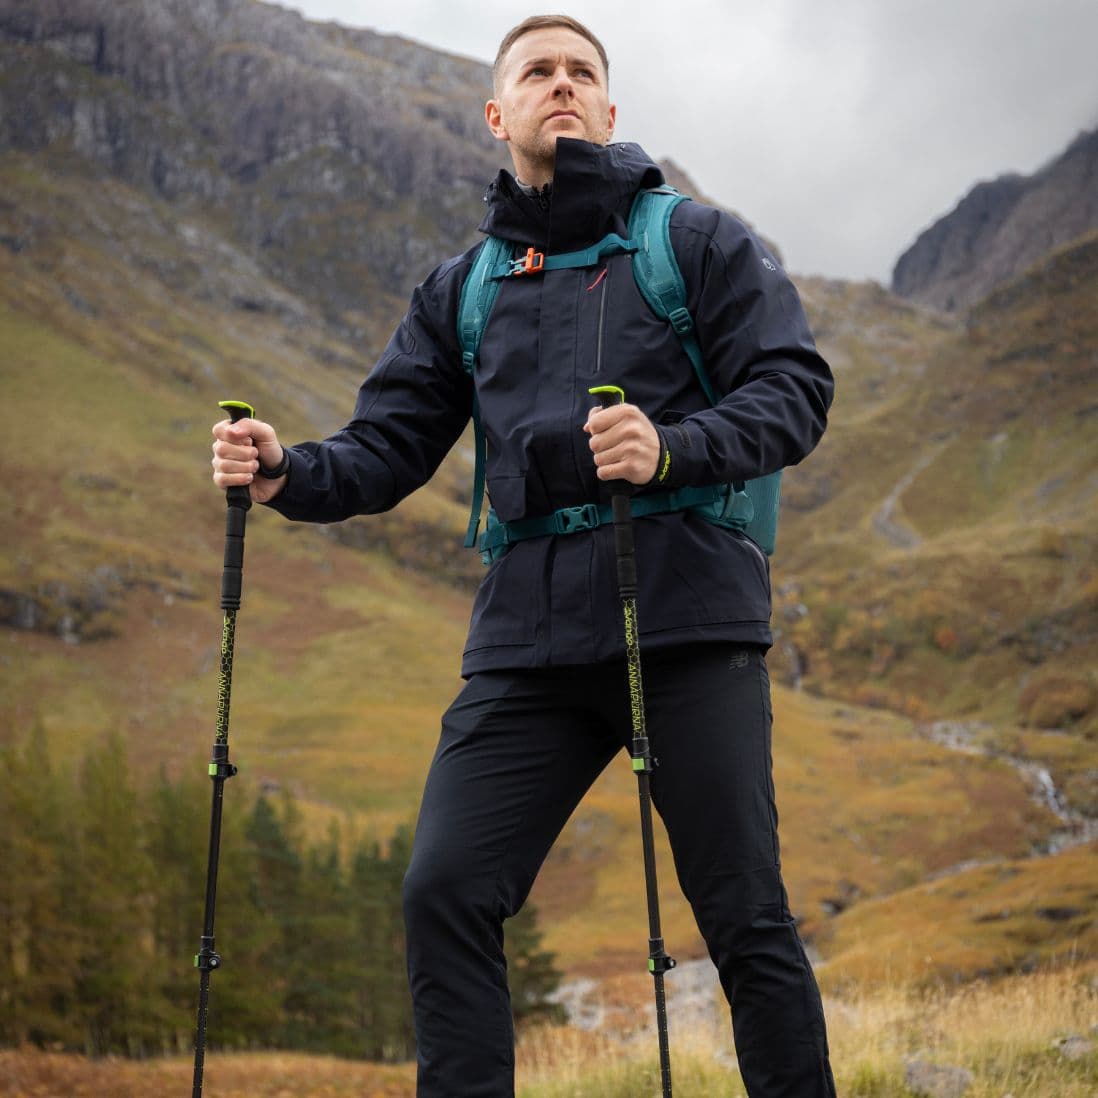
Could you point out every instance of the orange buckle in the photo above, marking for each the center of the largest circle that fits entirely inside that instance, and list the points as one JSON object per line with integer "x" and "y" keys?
{"x": 533, "y": 263}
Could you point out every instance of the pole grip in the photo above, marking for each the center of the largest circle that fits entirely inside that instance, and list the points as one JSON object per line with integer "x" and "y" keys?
{"x": 238, "y": 500}
{"x": 620, "y": 497}
{"x": 608, "y": 395}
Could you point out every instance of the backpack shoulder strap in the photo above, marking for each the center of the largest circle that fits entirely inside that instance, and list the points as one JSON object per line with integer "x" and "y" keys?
{"x": 478, "y": 295}
{"x": 657, "y": 273}
{"x": 751, "y": 506}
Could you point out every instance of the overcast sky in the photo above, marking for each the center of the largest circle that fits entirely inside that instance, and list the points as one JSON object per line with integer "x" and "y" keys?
{"x": 839, "y": 128}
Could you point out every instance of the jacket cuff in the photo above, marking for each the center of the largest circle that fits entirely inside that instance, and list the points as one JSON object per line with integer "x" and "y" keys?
{"x": 285, "y": 503}
{"x": 679, "y": 457}
{"x": 663, "y": 464}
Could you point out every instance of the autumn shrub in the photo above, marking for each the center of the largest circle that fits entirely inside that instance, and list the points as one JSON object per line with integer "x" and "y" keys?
{"x": 1057, "y": 700}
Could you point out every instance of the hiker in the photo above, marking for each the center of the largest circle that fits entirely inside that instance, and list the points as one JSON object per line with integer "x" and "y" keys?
{"x": 545, "y": 706}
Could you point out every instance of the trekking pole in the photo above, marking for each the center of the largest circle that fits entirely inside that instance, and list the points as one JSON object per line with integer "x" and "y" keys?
{"x": 658, "y": 960}
{"x": 238, "y": 500}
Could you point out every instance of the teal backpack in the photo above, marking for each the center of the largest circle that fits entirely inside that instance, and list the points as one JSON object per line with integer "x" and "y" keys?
{"x": 748, "y": 506}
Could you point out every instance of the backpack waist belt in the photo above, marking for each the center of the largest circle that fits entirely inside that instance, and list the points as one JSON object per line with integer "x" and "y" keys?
{"x": 714, "y": 503}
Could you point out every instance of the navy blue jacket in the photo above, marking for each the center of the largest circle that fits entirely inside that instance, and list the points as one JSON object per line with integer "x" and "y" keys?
{"x": 554, "y": 600}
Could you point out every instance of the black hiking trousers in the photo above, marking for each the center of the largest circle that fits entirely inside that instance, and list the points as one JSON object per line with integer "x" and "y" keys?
{"x": 518, "y": 750}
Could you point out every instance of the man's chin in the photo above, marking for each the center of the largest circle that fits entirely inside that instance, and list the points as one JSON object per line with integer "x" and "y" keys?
{"x": 566, "y": 126}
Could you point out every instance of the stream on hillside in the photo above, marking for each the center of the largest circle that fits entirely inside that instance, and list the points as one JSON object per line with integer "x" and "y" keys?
{"x": 966, "y": 736}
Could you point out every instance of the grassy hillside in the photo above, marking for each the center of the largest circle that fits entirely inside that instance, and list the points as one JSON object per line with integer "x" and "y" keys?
{"x": 117, "y": 347}
{"x": 939, "y": 554}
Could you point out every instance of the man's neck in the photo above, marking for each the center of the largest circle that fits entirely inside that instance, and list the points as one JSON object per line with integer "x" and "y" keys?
{"x": 534, "y": 173}
{"x": 532, "y": 189}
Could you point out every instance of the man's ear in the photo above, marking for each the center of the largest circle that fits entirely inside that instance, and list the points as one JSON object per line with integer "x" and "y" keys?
{"x": 613, "y": 117}
{"x": 493, "y": 115}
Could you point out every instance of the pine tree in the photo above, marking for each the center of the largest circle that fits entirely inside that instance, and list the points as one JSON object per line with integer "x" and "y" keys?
{"x": 108, "y": 903}
{"x": 269, "y": 873}
{"x": 101, "y": 912}
{"x": 384, "y": 1011}
{"x": 531, "y": 972}
{"x": 247, "y": 991}
{"x": 37, "y": 943}
{"x": 325, "y": 978}
{"x": 177, "y": 827}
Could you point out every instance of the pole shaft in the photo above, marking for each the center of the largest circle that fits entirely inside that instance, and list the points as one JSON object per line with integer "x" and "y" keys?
{"x": 625, "y": 552}
{"x": 220, "y": 769}
{"x": 200, "y": 1042}
{"x": 642, "y": 764}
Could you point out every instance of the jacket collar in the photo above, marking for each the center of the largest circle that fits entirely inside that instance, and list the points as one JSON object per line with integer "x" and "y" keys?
{"x": 593, "y": 188}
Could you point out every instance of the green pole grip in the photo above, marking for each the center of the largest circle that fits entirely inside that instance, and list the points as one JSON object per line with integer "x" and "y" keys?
{"x": 608, "y": 395}
{"x": 237, "y": 409}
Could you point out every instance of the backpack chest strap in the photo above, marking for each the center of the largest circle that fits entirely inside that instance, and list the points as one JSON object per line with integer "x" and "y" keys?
{"x": 535, "y": 262}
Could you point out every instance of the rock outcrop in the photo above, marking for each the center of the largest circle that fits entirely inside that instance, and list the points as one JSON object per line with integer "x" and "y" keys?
{"x": 316, "y": 146}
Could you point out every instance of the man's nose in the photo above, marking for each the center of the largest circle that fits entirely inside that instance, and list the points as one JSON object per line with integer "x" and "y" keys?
{"x": 562, "y": 82}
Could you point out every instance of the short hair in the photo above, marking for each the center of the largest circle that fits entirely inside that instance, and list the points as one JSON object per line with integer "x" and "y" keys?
{"x": 540, "y": 22}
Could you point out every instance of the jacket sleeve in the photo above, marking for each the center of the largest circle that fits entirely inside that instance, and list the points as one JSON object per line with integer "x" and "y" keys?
{"x": 411, "y": 409}
{"x": 757, "y": 349}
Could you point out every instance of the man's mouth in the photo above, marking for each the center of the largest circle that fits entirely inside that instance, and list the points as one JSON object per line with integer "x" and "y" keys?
{"x": 563, "y": 114}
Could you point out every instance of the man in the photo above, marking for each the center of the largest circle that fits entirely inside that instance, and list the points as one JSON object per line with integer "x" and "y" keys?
{"x": 545, "y": 706}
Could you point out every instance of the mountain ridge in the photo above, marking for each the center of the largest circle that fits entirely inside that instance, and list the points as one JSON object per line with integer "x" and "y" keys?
{"x": 1001, "y": 227}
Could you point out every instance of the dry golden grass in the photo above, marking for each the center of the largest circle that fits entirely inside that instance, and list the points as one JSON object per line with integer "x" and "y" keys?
{"x": 1009, "y": 1034}
{"x": 32, "y": 1074}
{"x": 986, "y": 920}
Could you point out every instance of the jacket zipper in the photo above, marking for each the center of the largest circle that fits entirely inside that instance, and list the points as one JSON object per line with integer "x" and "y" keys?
{"x": 605, "y": 277}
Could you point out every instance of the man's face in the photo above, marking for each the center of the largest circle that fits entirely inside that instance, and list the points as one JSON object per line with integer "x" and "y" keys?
{"x": 552, "y": 84}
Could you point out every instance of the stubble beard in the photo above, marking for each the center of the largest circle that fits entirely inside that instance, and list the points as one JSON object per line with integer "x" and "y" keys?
{"x": 541, "y": 150}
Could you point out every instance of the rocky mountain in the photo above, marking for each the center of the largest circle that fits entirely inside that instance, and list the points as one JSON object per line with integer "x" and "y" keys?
{"x": 1001, "y": 227}
{"x": 348, "y": 162}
